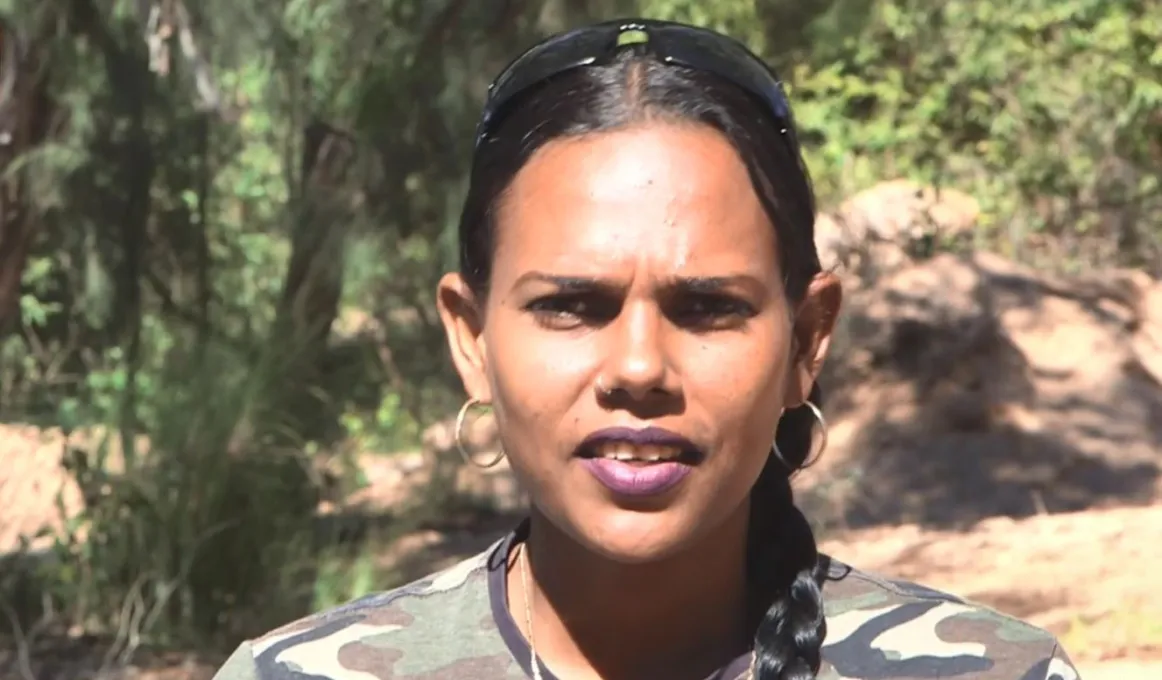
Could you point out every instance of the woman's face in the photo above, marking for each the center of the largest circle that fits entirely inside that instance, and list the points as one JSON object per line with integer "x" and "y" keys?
{"x": 636, "y": 343}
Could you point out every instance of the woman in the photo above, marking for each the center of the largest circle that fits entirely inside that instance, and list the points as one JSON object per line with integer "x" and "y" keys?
{"x": 641, "y": 304}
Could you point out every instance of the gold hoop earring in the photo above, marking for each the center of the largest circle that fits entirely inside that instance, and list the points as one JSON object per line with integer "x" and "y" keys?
{"x": 818, "y": 413}
{"x": 459, "y": 437}
{"x": 779, "y": 454}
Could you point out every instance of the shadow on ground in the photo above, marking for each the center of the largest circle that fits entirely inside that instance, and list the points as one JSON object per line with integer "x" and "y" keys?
{"x": 966, "y": 388}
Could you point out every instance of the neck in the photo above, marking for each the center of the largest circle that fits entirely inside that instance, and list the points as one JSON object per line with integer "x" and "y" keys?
{"x": 593, "y": 617}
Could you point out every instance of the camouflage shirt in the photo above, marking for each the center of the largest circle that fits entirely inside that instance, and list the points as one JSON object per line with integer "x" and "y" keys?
{"x": 455, "y": 625}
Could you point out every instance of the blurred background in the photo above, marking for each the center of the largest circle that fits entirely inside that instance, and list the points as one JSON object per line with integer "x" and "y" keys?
{"x": 224, "y": 392}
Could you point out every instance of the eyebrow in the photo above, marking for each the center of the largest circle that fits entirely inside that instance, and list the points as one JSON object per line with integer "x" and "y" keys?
{"x": 566, "y": 283}
{"x": 697, "y": 284}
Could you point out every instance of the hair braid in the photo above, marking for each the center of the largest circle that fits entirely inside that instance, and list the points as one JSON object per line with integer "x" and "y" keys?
{"x": 785, "y": 570}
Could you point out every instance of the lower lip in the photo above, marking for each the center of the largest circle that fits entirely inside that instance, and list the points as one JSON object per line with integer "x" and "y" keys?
{"x": 635, "y": 479}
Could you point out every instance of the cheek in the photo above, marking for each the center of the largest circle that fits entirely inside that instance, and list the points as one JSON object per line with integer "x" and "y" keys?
{"x": 742, "y": 391}
{"x": 537, "y": 377}
{"x": 741, "y": 384}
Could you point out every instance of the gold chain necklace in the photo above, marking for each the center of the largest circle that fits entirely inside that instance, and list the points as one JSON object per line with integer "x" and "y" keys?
{"x": 526, "y": 594}
{"x": 522, "y": 559}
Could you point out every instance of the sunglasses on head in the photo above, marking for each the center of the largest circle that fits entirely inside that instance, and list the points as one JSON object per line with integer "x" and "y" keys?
{"x": 670, "y": 42}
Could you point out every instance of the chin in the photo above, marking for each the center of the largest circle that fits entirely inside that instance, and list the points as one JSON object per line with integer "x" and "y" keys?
{"x": 638, "y": 531}
{"x": 634, "y": 537}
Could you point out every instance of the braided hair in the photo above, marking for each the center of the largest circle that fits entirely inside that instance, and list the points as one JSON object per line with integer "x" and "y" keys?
{"x": 783, "y": 562}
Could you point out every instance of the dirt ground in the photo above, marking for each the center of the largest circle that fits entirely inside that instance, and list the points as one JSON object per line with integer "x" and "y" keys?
{"x": 30, "y": 481}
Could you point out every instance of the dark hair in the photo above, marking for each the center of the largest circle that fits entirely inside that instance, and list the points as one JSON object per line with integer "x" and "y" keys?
{"x": 784, "y": 569}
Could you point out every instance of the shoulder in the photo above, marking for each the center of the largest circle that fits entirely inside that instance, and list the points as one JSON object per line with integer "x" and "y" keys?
{"x": 441, "y": 621}
{"x": 886, "y": 628}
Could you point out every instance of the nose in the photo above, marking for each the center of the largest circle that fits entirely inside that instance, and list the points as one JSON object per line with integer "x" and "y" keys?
{"x": 637, "y": 361}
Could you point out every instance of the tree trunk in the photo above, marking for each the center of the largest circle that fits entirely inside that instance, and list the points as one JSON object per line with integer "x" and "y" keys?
{"x": 24, "y": 115}
{"x": 314, "y": 280}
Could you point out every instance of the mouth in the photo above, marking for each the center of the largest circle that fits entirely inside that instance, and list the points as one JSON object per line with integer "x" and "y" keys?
{"x": 636, "y": 464}
{"x": 648, "y": 446}
{"x": 640, "y": 455}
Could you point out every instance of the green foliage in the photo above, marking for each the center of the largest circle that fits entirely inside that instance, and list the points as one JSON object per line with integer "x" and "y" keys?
{"x": 1047, "y": 111}
{"x": 1043, "y": 110}
{"x": 341, "y": 580}
{"x": 205, "y": 519}
{"x": 388, "y": 428}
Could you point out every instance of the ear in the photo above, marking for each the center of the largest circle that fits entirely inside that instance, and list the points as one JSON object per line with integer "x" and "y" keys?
{"x": 463, "y": 318}
{"x": 814, "y": 324}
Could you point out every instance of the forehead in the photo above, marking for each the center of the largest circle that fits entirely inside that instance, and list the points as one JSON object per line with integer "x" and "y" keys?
{"x": 676, "y": 198}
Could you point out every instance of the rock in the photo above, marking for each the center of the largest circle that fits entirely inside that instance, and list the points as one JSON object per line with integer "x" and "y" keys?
{"x": 882, "y": 228}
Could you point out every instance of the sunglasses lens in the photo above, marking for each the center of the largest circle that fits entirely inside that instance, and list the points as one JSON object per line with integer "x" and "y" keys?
{"x": 726, "y": 58}
{"x": 551, "y": 58}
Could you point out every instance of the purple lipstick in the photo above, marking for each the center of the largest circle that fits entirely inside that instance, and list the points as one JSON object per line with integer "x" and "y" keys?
{"x": 632, "y": 462}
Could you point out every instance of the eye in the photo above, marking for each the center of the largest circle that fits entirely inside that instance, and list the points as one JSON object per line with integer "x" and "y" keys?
{"x": 711, "y": 312}
{"x": 570, "y": 311}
